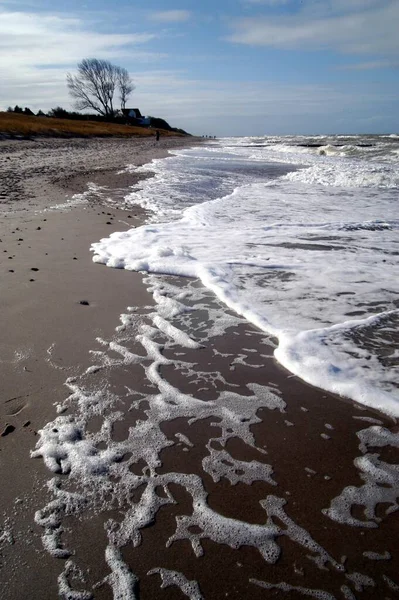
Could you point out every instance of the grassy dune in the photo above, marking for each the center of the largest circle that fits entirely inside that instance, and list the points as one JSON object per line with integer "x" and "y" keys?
{"x": 14, "y": 124}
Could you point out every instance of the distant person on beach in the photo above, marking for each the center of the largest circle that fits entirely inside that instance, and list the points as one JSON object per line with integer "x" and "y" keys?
{"x": 157, "y": 134}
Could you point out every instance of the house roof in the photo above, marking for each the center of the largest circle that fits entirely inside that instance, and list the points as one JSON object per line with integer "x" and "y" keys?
{"x": 136, "y": 111}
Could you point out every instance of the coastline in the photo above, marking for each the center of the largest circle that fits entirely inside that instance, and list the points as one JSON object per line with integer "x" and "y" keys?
{"x": 39, "y": 170}
{"x": 64, "y": 332}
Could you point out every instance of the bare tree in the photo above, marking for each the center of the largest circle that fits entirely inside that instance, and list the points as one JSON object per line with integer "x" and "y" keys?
{"x": 125, "y": 85}
{"x": 95, "y": 84}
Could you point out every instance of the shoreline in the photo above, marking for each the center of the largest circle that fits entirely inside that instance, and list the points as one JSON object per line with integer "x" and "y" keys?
{"x": 38, "y": 171}
{"x": 57, "y": 245}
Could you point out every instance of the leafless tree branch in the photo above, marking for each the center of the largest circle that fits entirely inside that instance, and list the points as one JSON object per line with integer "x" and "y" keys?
{"x": 125, "y": 86}
{"x": 95, "y": 84}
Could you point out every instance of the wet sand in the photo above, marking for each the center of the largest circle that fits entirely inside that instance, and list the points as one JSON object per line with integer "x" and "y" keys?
{"x": 47, "y": 277}
{"x": 47, "y": 333}
{"x": 55, "y": 303}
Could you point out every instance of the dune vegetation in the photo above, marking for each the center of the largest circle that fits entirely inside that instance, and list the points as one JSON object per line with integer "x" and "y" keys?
{"x": 16, "y": 125}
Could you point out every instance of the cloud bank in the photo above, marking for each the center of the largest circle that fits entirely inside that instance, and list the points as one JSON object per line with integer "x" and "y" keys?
{"x": 373, "y": 28}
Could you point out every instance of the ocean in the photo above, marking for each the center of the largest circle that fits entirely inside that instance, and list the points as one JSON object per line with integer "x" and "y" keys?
{"x": 202, "y": 448}
{"x": 300, "y": 236}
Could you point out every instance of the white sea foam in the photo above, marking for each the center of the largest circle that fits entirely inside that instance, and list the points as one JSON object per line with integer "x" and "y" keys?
{"x": 174, "y": 578}
{"x": 65, "y": 591}
{"x": 287, "y": 587}
{"x": 94, "y": 193}
{"x": 297, "y": 256}
{"x": 380, "y": 482}
{"x": 377, "y": 555}
{"x": 123, "y": 582}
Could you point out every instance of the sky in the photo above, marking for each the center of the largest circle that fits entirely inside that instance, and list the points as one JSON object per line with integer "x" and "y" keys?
{"x": 216, "y": 67}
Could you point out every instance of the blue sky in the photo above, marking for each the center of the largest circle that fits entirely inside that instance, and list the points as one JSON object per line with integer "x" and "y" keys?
{"x": 221, "y": 67}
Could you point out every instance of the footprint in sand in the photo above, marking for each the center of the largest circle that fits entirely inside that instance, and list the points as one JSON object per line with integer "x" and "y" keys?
{"x": 14, "y": 406}
{"x": 16, "y": 410}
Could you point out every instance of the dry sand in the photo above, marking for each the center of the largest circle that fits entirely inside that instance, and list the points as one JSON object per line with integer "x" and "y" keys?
{"x": 47, "y": 334}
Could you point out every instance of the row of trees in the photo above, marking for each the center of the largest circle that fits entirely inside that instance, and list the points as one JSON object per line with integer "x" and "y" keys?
{"x": 54, "y": 112}
{"x": 59, "y": 112}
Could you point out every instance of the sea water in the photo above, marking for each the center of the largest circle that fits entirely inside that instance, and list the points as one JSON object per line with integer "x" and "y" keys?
{"x": 252, "y": 246}
{"x": 299, "y": 235}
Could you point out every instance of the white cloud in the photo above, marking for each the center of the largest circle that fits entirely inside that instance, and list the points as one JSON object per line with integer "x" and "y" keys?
{"x": 29, "y": 39}
{"x": 170, "y": 16}
{"x": 38, "y": 49}
{"x": 371, "y": 29}
{"x": 371, "y": 65}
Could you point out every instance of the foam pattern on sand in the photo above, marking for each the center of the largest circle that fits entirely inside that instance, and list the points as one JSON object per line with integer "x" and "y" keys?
{"x": 286, "y": 587}
{"x": 97, "y": 472}
{"x": 174, "y": 578}
{"x": 381, "y": 482}
{"x": 127, "y": 478}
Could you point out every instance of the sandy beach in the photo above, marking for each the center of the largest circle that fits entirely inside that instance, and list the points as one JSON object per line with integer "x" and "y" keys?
{"x": 47, "y": 332}
{"x": 286, "y": 455}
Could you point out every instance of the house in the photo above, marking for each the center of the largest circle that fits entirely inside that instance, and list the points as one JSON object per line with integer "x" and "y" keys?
{"x": 134, "y": 117}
